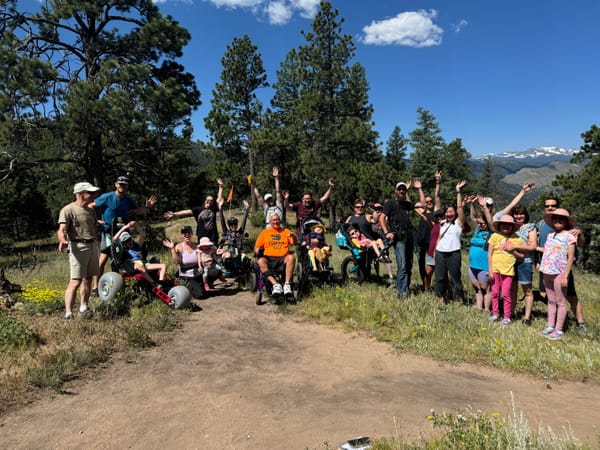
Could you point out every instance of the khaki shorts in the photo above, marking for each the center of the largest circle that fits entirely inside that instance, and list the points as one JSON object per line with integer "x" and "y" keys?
{"x": 83, "y": 260}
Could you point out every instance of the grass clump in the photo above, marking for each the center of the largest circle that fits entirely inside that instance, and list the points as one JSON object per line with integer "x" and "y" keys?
{"x": 476, "y": 429}
{"x": 15, "y": 334}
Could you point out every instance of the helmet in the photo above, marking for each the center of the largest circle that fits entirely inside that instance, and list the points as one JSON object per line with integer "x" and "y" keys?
{"x": 232, "y": 221}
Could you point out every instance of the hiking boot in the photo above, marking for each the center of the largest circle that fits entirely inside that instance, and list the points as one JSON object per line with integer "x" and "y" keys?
{"x": 526, "y": 322}
{"x": 87, "y": 314}
{"x": 581, "y": 329}
{"x": 287, "y": 289}
{"x": 277, "y": 289}
{"x": 94, "y": 292}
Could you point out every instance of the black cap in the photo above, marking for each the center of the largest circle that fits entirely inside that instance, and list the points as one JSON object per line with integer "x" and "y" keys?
{"x": 186, "y": 229}
{"x": 123, "y": 180}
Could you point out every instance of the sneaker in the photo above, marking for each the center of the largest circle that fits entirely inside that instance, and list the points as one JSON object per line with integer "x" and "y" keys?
{"x": 277, "y": 289}
{"x": 546, "y": 331}
{"x": 505, "y": 322}
{"x": 68, "y": 316}
{"x": 526, "y": 322}
{"x": 287, "y": 289}
{"x": 206, "y": 287}
{"x": 581, "y": 329}
{"x": 493, "y": 318}
{"x": 555, "y": 335}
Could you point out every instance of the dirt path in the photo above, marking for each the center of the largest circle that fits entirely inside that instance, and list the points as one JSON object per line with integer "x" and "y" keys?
{"x": 244, "y": 377}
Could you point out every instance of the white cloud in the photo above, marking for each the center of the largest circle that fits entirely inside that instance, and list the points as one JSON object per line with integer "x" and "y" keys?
{"x": 279, "y": 13}
{"x": 308, "y": 8}
{"x": 236, "y": 3}
{"x": 412, "y": 29}
{"x": 457, "y": 28}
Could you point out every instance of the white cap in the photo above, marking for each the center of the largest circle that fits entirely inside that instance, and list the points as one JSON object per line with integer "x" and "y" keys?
{"x": 125, "y": 236}
{"x": 489, "y": 201}
{"x": 401, "y": 183}
{"x": 85, "y": 187}
{"x": 267, "y": 197}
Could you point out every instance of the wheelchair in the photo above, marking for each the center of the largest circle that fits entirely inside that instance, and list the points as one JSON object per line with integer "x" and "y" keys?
{"x": 306, "y": 274}
{"x": 362, "y": 264}
{"x": 167, "y": 290}
{"x": 265, "y": 288}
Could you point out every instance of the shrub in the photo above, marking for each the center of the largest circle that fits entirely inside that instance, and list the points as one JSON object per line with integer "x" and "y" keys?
{"x": 15, "y": 335}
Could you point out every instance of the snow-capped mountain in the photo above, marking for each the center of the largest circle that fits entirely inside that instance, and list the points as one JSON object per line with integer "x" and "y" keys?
{"x": 547, "y": 153}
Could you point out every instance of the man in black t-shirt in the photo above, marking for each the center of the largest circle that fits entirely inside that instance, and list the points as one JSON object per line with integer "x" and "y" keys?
{"x": 395, "y": 224}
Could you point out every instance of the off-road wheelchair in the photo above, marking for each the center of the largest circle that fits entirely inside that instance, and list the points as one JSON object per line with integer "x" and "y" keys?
{"x": 166, "y": 290}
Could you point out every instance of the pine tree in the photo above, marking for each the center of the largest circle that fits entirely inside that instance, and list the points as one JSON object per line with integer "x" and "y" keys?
{"x": 236, "y": 111}
{"x": 395, "y": 155}
{"x": 428, "y": 145}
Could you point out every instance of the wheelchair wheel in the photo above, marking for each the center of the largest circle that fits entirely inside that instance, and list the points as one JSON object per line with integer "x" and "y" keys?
{"x": 109, "y": 286}
{"x": 247, "y": 281}
{"x": 352, "y": 272}
{"x": 259, "y": 296}
{"x": 180, "y": 297}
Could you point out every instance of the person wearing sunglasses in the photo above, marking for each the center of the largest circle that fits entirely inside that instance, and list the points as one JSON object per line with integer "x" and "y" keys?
{"x": 307, "y": 206}
{"x": 426, "y": 205}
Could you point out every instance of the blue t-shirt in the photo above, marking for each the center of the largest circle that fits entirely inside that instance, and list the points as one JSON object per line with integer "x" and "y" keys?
{"x": 114, "y": 207}
{"x": 478, "y": 254}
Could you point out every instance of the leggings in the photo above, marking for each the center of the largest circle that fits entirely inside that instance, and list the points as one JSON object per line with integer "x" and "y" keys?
{"x": 557, "y": 301}
{"x": 504, "y": 283}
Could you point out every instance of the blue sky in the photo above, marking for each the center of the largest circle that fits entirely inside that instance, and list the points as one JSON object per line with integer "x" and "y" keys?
{"x": 501, "y": 75}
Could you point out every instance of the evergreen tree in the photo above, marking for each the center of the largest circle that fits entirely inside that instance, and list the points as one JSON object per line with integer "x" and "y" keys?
{"x": 236, "y": 111}
{"x": 487, "y": 181}
{"x": 395, "y": 155}
{"x": 454, "y": 166}
{"x": 428, "y": 145}
{"x": 322, "y": 109}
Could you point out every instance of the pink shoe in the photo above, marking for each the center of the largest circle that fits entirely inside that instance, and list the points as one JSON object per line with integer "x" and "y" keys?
{"x": 206, "y": 287}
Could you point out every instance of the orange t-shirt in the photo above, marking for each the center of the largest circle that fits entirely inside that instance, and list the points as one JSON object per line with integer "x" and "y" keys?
{"x": 276, "y": 243}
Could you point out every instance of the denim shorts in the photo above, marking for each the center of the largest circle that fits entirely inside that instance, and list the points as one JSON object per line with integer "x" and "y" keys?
{"x": 430, "y": 260}
{"x": 524, "y": 272}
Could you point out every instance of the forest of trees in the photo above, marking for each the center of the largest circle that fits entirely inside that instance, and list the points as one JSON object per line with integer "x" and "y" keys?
{"x": 92, "y": 90}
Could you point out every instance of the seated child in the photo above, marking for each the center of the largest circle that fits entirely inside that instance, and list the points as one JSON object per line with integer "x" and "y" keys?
{"x": 232, "y": 235}
{"x": 207, "y": 264}
{"x": 360, "y": 240}
{"x": 318, "y": 249}
{"x": 134, "y": 252}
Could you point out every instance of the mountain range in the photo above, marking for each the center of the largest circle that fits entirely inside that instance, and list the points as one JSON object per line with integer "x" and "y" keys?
{"x": 539, "y": 165}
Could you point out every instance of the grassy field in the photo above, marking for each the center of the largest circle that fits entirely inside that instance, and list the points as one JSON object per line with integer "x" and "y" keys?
{"x": 39, "y": 351}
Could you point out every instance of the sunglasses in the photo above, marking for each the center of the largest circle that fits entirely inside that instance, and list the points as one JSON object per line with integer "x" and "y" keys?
{"x": 481, "y": 223}
{"x": 554, "y": 205}
{"x": 359, "y": 207}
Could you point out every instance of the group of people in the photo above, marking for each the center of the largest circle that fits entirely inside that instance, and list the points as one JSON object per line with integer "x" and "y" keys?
{"x": 505, "y": 247}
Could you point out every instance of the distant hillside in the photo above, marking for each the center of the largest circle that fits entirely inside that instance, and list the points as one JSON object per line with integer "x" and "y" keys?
{"x": 539, "y": 165}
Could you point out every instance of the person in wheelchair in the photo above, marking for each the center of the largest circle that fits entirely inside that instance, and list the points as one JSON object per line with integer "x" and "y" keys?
{"x": 273, "y": 247}
{"x": 135, "y": 252}
{"x": 318, "y": 248}
{"x": 230, "y": 245}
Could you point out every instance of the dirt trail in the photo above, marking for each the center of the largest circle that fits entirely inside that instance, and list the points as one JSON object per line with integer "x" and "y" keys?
{"x": 242, "y": 376}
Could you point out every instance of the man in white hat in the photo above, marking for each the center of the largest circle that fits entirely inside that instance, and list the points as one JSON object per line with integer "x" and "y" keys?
{"x": 77, "y": 231}
{"x": 268, "y": 203}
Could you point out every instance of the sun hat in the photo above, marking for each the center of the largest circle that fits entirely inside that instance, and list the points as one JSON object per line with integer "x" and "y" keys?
{"x": 506, "y": 218}
{"x": 205, "y": 242}
{"x": 125, "y": 236}
{"x": 85, "y": 187}
{"x": 317, "y": 225}
{"x": 268, "y": 196}
{"x": 401, "y": 183}
{"x": 559, "y": 212}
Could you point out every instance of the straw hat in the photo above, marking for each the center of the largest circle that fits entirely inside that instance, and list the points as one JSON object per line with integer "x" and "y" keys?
{"x": 559, "y": 212}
